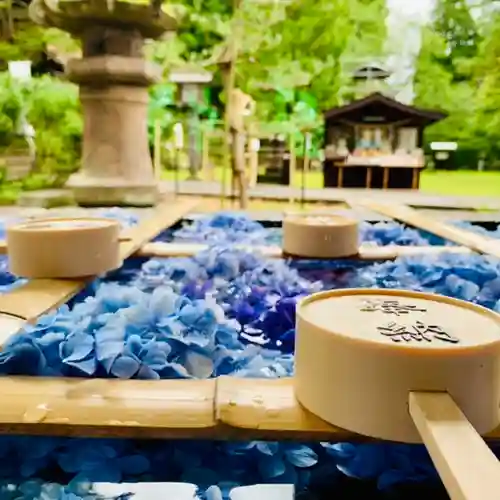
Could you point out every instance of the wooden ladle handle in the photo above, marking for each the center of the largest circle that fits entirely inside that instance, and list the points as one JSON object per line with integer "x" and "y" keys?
{"x": 467, "y": 467}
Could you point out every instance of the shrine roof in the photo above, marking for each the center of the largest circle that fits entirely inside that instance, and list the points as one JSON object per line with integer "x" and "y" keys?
{"x": 379, "y": 105}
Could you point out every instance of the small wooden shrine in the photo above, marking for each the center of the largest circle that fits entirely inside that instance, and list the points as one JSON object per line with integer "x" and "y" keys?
{"x": 274, "y": 156}
{"x": 375, "y": 142}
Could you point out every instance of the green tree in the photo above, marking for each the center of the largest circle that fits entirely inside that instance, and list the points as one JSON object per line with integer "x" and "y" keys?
{"x": 453, "y": 21}
{"x": 295, "y": 47}
{"x": 445, "y": 74}
{"x": 299, "y": 51}
{"x": 487, "y": 118}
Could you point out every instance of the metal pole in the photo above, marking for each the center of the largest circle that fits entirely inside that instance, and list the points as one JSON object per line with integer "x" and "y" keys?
{"x": 225, "y": 166}
{"x": 176, "y": 171}
{"x": 179, "y": 145}
{"x": 303, "y": 176}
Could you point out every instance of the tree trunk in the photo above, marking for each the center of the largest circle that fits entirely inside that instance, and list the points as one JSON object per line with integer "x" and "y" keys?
{"x": 238, "y": 166}
{"x": 237, "y": 158}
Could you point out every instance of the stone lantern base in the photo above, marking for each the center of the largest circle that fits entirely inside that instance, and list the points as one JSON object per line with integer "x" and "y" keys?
{"x": 95, "y": 191}
{"x": 116, "y": 162}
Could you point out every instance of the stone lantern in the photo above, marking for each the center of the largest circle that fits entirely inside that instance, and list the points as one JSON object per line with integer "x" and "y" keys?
{"x": 113, "y": 76}
{"x": 370, "y": 78}
{"x": 191, "y": 81}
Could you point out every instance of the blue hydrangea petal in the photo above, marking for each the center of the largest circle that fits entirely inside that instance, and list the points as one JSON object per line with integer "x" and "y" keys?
{"x": 268, "y": 448}
{"x": 199, "y": 365}
{"x": 125, "y": 367}
{"x": 271, "y": 467}
{"x": 213, "y": 493}
{"x": 301, "y": 456}
{"x": 76, "y": 346}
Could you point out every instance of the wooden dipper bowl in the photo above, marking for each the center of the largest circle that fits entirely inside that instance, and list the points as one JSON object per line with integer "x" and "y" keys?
{"x": 409, "y": 367}
{"x": 320, "y": 236}
{"x": 63, "y": 247}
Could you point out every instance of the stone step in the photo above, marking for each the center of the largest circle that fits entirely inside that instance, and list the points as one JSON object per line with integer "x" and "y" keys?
{"x": 16, "y": 159}
{"x": 16, "y": 167}
{"x": 46, "y": 198}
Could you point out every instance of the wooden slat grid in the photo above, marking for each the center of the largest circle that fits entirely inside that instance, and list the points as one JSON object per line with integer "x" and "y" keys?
{"x": 477, "y": 242}
{"x": 37, "y": 297}
{"x": 222, "y": 408}
{"x": 366, "y": 252}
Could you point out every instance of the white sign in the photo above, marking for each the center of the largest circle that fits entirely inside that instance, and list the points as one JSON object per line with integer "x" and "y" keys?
{"x": 20, "y": 70}
{"x": 308, "y": 141}
{"x": 254, "y": 144}
{"x": 444, "y": 146}
{"x": 178, "y": 136}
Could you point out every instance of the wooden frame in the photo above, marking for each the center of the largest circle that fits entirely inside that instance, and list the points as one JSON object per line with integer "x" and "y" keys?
{"x": 366, "y": 252}
{"x": 411, "y": 217}
{"x": 36, "y": 297}
{"x": 226, "y": 408}
{"x": 222, "y": 408}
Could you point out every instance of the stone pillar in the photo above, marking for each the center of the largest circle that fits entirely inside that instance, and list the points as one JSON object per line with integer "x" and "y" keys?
{"x": 116, "y": 162}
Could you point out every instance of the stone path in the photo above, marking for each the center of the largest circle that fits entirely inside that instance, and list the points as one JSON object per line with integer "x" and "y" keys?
{"x": 409, "y": 197}
{"x": 273, "y": 212}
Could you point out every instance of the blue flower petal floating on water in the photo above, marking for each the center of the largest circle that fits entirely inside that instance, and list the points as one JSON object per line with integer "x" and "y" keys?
{"x": 468, "y": 277}
{"x": 126, "y": 333}
{"x": 224, "y": 311}
{"x": 224, "y": 228}
{"x": 125, "y": 217}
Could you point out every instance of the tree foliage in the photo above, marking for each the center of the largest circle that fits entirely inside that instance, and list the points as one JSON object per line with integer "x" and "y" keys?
{"x": 295, "y": 59}
{"x": 455, "y": 24}
{"x": 487, "y": 118}
{"x": 53, "y": 109}
{"x": 457, "y": 71}
{"x": 291, "y": 54}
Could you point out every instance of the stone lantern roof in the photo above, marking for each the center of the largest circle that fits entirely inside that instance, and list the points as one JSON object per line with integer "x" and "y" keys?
{"x": 190, "y": 73}
{"x": 74, "y": 16}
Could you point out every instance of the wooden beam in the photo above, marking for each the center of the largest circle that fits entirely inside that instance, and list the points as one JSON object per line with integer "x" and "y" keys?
{"x": 407, "y": 215}
{"x": 366, "y": 252}
{"x": 267, "y": 409}
{"x": 36, "y": 297}
{"x": 107, "y": 407}
{"x": 225, "y": 408}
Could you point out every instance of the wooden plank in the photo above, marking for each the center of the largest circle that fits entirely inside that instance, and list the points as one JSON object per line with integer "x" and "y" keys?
{"x": 107, "y": 407}
{"x": 167, "y": 250}
{"x": 267, "y": 409}
{"x": 366, "y": 252}
{"x": 223, "y": 408}
{"x": 455, "y": 447}
{"x": 37, "y": 297}
{"x": 407, "y": 215}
